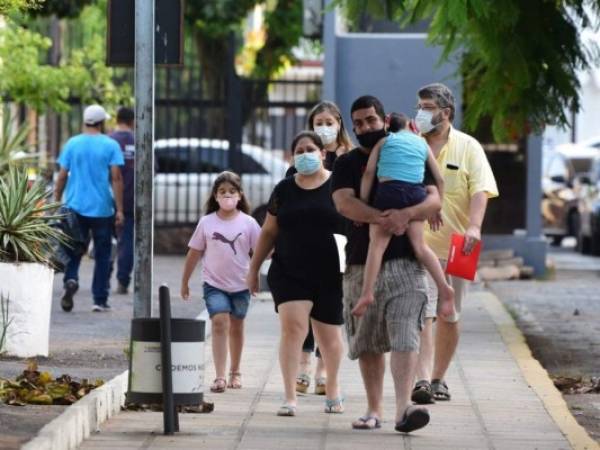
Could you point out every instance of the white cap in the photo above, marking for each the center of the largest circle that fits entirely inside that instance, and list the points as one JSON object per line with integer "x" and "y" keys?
{"x": 94, "y": 114}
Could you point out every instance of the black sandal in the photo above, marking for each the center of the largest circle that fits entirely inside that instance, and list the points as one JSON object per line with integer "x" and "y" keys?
{"x": 440, "y": 390}
{"x": 422, "y": 393}
{"x": 414, "y": 418}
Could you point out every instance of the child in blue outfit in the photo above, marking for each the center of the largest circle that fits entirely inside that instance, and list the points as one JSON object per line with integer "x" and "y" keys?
{"x": 400, "y": 160}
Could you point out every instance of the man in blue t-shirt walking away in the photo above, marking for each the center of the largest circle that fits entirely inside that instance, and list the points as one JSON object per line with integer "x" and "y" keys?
{"x": 89, "y": 163}
{"x": 123, "y": 134}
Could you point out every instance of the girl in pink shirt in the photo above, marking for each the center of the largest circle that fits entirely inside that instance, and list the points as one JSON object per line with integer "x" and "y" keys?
{"x": 224, "y": 239}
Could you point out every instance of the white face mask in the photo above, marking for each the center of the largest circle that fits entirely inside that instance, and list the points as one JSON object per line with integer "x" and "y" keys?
{"x": 327, "y": 134}
{"x": 423, "y": 120}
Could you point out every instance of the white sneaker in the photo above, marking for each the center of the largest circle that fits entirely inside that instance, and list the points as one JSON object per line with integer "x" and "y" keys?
{"x": 97, "y": 308}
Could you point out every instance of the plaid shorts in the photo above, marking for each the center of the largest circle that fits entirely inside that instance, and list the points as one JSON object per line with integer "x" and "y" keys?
{"x": 394, "y": 322}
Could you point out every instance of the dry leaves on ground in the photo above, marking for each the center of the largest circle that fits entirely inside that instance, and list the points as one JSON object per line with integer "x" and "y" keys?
{"x": 577, "y": 385}
{"x": 39, "y": 388}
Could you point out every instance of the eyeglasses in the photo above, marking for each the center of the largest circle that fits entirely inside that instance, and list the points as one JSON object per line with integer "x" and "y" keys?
{"x": 429, "y": 108}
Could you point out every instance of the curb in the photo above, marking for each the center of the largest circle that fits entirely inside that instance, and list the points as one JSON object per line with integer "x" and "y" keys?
{"x": 85, "y": 416}
{"x": 536, "y": 376}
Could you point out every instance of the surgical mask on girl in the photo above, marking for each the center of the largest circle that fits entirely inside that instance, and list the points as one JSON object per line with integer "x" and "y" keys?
{"x": 307, "y": 163}
{"x": 228, "y": 202}
{"x": 327, "y": 134}
{"x": 424, "y": 121}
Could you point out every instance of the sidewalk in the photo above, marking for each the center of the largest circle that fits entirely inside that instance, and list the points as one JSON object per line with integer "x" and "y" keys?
{"x": 502, "y": 399}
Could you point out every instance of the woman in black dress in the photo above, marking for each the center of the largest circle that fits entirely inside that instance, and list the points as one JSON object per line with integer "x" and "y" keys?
{"x": 304, "y": 276}
{"x": 325, "y": 119}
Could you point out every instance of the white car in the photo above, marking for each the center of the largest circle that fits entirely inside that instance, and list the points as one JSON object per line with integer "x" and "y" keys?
{"x": 186, "y": 169}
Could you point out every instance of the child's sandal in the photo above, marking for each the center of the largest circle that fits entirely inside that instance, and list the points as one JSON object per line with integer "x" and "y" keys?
{"x": 219, "y": 385}
{"x": 235, "y": 380}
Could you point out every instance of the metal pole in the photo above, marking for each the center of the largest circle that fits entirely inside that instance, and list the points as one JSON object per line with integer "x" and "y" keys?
{"x": 144, "y": 157}
{"x": 234, "y": 109}
{"x": 170, "y": 420}
{"x": 533, "y": 219}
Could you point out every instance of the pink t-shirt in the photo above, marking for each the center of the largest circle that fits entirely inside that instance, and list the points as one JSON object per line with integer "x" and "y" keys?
{"x": 226, "y": 245}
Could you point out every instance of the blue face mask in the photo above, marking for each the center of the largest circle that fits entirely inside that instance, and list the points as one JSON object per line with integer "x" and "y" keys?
{"x": 307, "y": 163}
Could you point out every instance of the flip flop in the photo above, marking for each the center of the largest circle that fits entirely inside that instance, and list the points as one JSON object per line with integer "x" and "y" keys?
{"x": 422, "y": 394}
{"x": 335, "y": 406}
{"x": 439, "y": 388}
{"x": 286, "y": 410}
{"x": 415, "y": 417}
{"x": 363, "y": 423}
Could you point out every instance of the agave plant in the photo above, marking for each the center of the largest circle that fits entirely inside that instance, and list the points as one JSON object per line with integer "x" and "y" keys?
{"x": 13, "y": 144}
{"x": 26, "y": 231}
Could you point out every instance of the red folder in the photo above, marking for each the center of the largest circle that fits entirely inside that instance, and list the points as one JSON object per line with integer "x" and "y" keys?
{"x": 459, "y": 264}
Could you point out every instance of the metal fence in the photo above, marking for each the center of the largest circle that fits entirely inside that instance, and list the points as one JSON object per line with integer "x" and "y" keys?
{"x": 203, "y": 128}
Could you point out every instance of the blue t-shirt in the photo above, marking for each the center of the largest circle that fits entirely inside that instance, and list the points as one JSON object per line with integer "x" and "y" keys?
{"x": 88, "y": 159}
{"x": 403, "y": 157}
{"x": 126, "y": 142}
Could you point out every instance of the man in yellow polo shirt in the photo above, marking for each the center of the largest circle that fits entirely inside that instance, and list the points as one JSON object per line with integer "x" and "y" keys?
{"x": 468, "y": 184}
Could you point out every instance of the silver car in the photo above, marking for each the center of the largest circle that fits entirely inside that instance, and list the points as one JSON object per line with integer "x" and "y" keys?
{"x": 186, "y": 169}
{"x": 561, "y": 172}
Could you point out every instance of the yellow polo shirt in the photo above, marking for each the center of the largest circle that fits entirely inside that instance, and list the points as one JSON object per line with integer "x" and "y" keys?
{"x": 466, "y": 171}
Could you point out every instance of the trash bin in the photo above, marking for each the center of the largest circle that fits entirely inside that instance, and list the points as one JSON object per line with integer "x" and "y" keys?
{"x": 187, "y": 363}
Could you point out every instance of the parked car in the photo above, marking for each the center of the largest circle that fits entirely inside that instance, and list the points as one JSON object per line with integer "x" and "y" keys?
{"x": 187, "y": 168}
{"x": 591, "y": 142}
{"x": 588, "y": 240}
{"x": 561, "y": 171}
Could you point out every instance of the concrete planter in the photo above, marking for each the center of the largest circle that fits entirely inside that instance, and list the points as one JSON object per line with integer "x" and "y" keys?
{"x": 28, "y": 286}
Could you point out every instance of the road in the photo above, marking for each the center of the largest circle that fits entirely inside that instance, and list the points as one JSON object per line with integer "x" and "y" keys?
{"x": 560, "y": 316}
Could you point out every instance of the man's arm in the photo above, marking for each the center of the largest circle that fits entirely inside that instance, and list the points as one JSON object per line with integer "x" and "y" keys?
{"x": 366, "y": 183}
{"x": 351, "y": 207}
{"x": 61, "y": 181}
{"x": 117, "y": 187}
{"x": 477, "y": 209}
{"x": 396, "y": 220}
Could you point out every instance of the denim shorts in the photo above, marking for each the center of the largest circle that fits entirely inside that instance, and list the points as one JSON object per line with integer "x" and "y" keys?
{"x": 218, "y": 301}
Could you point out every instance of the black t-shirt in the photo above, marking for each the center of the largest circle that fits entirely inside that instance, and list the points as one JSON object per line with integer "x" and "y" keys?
{"x": 307, "y": 220}
{"x": 347, "y": 173}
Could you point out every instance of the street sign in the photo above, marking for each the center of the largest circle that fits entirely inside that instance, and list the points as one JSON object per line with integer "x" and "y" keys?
{"x": 168, "y": 40}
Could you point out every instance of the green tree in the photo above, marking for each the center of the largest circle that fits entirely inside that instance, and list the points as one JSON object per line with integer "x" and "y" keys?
{"x": 9, "y": 6}
{"x": 59, "y": 8}
{"x": 27, "y": 79}
{"x": 26, "y": 76}
{"x": 519, "y": 58}
{"x": 213, "y": 21}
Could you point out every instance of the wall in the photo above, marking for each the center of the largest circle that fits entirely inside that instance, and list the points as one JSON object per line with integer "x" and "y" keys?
{"x": 391, "y": 67}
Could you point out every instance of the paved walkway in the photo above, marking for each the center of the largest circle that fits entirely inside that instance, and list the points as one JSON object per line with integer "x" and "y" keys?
{"x": 501, "y": 400}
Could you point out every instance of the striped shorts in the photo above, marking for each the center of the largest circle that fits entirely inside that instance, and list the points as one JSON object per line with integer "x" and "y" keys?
{"x": 394, "y": 322}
